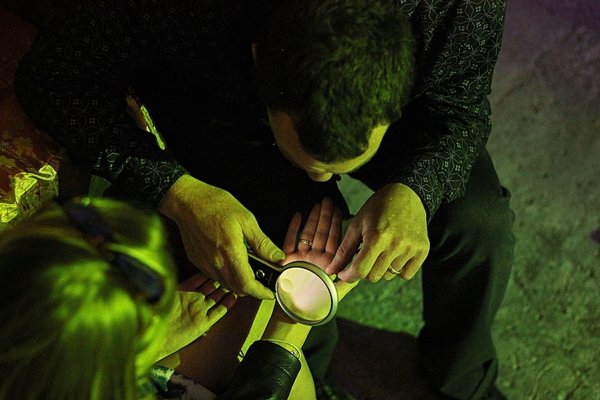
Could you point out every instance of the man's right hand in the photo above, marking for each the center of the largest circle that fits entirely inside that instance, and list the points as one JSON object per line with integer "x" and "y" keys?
{"x": 213, "y": 226}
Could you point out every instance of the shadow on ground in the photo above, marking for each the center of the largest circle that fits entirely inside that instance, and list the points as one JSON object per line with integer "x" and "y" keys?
{"x": 378, "y": 364}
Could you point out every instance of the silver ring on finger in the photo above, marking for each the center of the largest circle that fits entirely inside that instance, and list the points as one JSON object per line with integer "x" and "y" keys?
{"x": 306, "y": 242}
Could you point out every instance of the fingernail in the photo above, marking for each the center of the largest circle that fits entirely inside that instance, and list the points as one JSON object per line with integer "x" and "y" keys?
{"x": 229, "y": 301}
{"x": 279, "y": 255}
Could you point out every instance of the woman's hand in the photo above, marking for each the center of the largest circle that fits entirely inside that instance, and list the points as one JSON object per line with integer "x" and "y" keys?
{"x": 319, "y": 240}
{"x": 320, "y": 236}
{"x": 317, "y": 244}
{"x": 199, "y": 304}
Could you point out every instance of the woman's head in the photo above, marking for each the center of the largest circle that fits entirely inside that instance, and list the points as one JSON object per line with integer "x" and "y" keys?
{"x": 75, "y": 322}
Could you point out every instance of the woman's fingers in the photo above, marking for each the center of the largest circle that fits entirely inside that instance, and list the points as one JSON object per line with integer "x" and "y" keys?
{"x": 229, "y": 300}
{"x": 335, "y": 232}
{"x": 289, "y": 242}
{"x": 321, "y": 233}
{"x": 305, "y": 242}
{"x": 193, "y": 282}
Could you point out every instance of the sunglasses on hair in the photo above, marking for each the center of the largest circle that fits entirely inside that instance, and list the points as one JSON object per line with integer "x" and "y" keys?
{"x": 93, "y": 226}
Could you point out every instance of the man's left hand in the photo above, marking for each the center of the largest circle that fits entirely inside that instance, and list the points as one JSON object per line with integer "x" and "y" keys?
{"x": 391, "y": 231}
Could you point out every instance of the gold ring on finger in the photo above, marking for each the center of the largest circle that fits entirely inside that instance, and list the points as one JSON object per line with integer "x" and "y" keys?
{"x": 393, "y": 271}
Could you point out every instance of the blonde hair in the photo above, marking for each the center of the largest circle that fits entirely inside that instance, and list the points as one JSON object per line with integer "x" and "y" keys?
{"x": 73, "y": 325}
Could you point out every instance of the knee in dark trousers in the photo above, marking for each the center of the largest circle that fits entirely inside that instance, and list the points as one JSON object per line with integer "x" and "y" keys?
{"x": 464, "y": 280}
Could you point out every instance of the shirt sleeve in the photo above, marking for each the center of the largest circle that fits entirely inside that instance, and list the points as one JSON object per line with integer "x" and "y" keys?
{"x": 449, "y": 113}
{"x": 73, "y": 84}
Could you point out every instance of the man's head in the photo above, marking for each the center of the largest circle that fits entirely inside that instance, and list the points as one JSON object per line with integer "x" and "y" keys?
{"x": 333, "y": 75}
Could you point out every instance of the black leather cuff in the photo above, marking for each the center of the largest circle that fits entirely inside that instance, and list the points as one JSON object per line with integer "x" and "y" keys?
{"x": 267, "y": 371}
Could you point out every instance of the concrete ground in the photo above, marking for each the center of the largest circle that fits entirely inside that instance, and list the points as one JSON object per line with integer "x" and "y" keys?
{"x": 546, "y": 146}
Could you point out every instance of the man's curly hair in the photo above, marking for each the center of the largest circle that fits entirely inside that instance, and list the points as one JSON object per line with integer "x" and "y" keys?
{"x": 338, "y": 68}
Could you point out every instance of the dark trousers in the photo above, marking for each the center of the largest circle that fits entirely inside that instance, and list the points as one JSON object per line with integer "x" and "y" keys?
{"x": 464, "y": 277}
{"x": 464, "y": 280}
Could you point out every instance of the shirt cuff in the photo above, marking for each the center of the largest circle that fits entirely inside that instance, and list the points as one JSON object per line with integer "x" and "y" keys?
{"x": 148, "y": 179}
{"x": 421, "y": 177}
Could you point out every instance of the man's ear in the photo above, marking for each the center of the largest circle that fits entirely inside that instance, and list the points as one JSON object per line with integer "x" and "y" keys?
{"x": 253, "y": 46}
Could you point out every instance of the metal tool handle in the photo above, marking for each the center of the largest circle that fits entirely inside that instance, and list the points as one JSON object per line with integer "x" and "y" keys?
{"x": 265, "y": 271}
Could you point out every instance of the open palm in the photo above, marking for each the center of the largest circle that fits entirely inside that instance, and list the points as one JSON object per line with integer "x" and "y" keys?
{"x": 199, "y": 303}
{"x": 320, "y": 236}
{"x": 318, "y": 241}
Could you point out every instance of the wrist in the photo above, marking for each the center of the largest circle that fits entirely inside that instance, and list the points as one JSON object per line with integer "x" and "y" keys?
{"x": 289, "y": 346}
{"x": 414, "y": 196}
{"x": 177, "y": 199}
{"x": 282, "y": 327}
{"x": 172, "y": 200}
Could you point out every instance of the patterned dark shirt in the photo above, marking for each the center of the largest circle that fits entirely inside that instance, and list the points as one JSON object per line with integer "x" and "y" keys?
{"x": 74, "y": 79}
